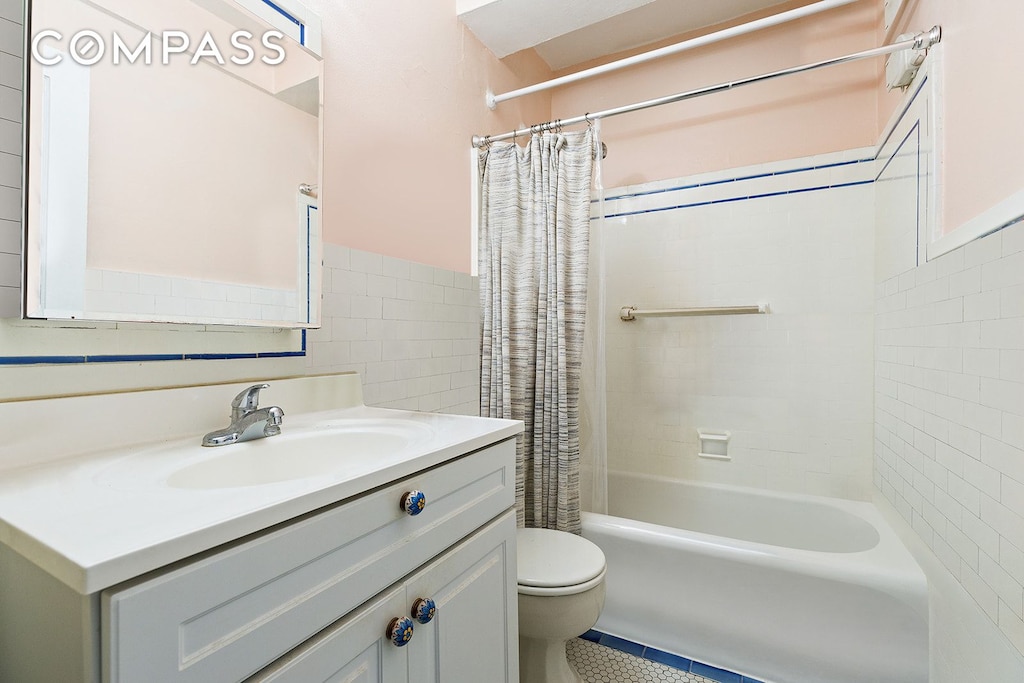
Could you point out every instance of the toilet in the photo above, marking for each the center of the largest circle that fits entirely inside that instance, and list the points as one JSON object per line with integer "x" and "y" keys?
{"x": 561, "y": 594}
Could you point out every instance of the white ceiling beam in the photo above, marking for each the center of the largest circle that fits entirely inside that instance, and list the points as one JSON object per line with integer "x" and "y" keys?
{"x": 508, "y": 26}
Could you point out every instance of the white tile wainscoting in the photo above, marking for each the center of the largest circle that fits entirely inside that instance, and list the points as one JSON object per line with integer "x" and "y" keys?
{"x": 949, "y": 416}
{"x": 11, "y": 18}
{"x": 949, "y": 401}
{"x": 411, "y": 331}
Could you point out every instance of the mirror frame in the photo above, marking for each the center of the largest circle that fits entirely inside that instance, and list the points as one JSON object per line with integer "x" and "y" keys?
{"x": 54, "y": 257}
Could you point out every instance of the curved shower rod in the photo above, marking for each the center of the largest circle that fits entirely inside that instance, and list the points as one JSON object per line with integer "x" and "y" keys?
{"x": 922, "y": 41}
{"x": 700, "y": 41}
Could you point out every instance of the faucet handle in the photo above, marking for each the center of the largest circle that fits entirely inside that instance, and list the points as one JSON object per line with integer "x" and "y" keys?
{"x": 248, "y": 400}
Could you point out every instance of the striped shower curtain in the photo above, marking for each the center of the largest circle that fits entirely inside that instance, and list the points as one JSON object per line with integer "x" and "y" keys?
{"x": 534, "y": 234}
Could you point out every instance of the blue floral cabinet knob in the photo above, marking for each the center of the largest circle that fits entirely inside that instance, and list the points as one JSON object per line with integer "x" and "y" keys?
{"x": 413, "y": 502}
{"x": 423, "y": 610}
{"x": 400, "y": 631}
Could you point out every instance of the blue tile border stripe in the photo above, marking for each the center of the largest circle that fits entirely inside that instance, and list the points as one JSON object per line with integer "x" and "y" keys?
{"x": 903, "y": 112}
{"x": 1015, "y": 221}
{"x": 284, "y": 13}
{"x": 38, "y": 360}
{"x": 287, "y": 15}
{"x": 756, "y": 176}
{"x": 131, "y": 358}
{"x": 151, "y": 357}
{"x": 666, "y": 658}
{"x": 622, "y": 645}
{"x": 711, "y": 202}
{"x": 739, "y": 198}
{"x": 725, "y": 181}
{"x": 914, "y": 129}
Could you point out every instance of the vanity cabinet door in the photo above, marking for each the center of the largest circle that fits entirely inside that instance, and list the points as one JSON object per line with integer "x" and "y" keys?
{"x": 474, "y": 635}
{"x": 354, "y": 650}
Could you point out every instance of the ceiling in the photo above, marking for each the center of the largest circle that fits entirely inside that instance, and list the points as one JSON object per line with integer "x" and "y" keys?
{"x": 567, "y": 32}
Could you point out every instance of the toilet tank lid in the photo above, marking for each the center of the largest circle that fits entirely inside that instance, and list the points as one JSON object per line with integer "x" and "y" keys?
{"x": 548, "y": 558}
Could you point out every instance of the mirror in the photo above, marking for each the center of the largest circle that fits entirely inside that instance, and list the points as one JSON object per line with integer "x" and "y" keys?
{"x": 167, "y": 144}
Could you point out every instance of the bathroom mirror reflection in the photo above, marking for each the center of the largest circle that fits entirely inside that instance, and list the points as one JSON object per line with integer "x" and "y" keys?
{"x": 167, "y": 143}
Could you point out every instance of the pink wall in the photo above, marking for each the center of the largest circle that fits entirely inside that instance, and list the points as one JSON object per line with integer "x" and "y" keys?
{"x": 982, "y": 66}
{"x": 404, "y": 94}
{"x": 405, "y": 82}
{"x": 824, "y": 111}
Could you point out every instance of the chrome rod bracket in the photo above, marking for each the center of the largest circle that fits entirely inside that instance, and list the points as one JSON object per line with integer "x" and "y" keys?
{"x": 925, "y": 39}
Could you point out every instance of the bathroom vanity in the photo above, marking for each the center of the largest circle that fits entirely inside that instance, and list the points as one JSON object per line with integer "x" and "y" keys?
{"x": 166, "y": 561}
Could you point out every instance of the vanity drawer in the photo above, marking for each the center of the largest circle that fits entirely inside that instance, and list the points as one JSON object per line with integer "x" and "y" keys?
{"x": 227, "y": 615}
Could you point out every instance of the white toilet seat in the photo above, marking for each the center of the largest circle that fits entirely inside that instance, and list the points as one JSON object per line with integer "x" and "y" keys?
{"x": 562, "y": 590}
{"x": 557, "y": 563}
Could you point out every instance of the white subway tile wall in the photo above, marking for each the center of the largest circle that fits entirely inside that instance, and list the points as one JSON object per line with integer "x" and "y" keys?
{"x": 949, "y": 415}
{"x": 949, "y": 448}
{"x": 793, "y": 387}
{"x": 11, "y": 36}
{"x": 411, "y": 331}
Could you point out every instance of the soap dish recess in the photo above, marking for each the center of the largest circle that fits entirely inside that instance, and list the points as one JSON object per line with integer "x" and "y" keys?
{"x": 714, "y": 445}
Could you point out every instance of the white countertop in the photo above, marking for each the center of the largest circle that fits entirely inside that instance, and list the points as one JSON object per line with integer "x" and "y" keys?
{"x": 97, "y": 519}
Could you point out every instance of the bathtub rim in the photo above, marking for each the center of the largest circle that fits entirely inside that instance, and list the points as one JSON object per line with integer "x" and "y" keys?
{"x": 831, "y": 505}
{"x": 888, "y": 565}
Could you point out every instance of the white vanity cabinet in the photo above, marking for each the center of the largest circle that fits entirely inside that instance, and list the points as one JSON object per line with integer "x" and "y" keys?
{"x": 230, "y": 614}
{"x": 469, "y": 640}
{"x": 307, "y": 600}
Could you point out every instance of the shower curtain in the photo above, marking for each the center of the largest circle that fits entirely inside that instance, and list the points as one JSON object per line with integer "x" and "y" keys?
{"x": 534, "y": 240}
{"x": 594, "y": 384}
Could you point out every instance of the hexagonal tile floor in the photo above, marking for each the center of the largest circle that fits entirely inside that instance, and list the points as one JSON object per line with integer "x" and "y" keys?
{"x": 600, "y": 664}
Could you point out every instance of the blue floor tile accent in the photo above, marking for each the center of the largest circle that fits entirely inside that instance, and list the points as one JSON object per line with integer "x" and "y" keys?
{"x": 666, "y": 658}
{"x": 715, "y": 674}
{"x": 622, "y": 645}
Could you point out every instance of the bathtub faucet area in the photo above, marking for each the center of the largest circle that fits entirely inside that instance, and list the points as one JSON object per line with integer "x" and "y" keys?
{"x": 248, "y": 420}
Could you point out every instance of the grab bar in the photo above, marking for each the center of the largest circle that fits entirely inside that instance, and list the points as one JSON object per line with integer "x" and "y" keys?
{"x": 628, "y": 313}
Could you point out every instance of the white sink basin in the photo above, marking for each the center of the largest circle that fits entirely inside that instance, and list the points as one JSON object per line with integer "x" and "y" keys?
{"x": 332, "y": 448}
{"x": 326, "y": 449}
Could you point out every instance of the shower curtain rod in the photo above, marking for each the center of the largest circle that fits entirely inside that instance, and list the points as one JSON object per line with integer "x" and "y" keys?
{"x": 774, "y": 20}
{"x": 922, "y": 41}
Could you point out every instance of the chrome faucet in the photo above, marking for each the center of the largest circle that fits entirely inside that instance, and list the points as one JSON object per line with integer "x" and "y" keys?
{"x": 248, "y": 420}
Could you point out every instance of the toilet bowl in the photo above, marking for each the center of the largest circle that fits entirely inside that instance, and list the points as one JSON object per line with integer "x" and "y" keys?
{"x": 561, "y": 594}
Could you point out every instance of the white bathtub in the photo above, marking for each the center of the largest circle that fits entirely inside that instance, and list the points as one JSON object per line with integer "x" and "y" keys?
{"x": 782, "y": 588}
